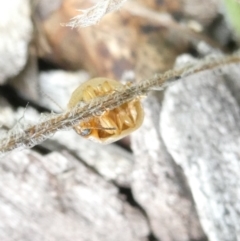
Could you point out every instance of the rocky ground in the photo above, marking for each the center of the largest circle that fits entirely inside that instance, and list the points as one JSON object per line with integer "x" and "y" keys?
{"x": 174, "y": 179}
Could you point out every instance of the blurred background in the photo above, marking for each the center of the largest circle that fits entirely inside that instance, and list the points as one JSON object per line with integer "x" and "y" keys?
{"x": 174, "y": 179}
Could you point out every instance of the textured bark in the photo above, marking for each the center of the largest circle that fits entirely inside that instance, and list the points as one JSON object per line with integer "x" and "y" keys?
{"x": 200, "y": 124}
{"x": 159, "y": 185}
{"x": 55, "y": 197}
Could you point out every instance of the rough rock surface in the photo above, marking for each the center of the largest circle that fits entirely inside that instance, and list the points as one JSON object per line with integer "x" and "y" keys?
{"x": 159, "y": 185}
{"x": 56, "y": 87}
{"x": 55, "y": 197}
{"x": 111, "y": 161}
{"x": 200, "y": 124}
{"x": 15, "y": 34}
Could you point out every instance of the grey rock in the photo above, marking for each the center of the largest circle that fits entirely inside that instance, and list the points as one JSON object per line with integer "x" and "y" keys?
{"x": 200, "y": 125}
{"x": 159, "y": 184}
{"x": 15, "y": 34}
{"x": 55, "y": 197}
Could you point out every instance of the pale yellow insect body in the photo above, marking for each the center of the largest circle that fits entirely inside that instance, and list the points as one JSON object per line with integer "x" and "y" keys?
{"x": 111, "y": 125}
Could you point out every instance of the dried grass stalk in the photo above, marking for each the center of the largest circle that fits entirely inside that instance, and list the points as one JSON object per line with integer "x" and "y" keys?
{"x": 26, "y": 136}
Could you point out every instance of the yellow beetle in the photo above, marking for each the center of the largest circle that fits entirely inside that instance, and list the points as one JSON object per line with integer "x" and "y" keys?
{"x": 112, "y": 125}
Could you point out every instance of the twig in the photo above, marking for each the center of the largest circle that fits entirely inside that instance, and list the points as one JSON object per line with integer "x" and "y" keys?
{"x": 93, "y": 15}
{"x": 35, "y": 134}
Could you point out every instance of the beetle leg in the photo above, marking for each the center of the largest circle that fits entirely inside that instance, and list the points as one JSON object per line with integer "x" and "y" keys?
{"x": 125, "y": 118}
{"x": 107, "y": 122}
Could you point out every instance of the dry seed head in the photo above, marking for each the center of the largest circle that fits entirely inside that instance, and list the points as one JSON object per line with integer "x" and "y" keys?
{"x": 112, "y": 125}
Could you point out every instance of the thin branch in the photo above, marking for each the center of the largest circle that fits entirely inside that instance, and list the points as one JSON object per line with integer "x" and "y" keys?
{"x": 35, "y": 134}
